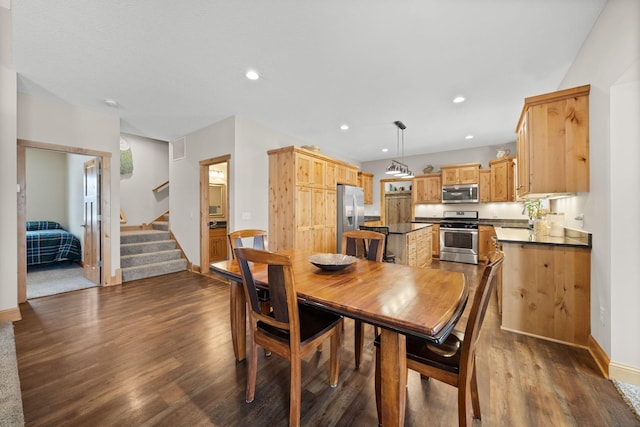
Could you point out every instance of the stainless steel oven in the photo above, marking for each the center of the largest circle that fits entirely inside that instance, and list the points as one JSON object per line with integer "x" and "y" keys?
{"x": 459, "y": 236}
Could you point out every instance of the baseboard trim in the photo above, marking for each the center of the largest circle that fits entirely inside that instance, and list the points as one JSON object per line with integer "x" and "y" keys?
{"x": 10, "y": 315}
{"x": 571, "y": 344}
{"x": 599, "y": 356}
{"x": 628, "y": 374}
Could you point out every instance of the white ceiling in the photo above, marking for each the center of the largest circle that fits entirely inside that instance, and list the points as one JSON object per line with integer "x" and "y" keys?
{"x": 178, "y": 66}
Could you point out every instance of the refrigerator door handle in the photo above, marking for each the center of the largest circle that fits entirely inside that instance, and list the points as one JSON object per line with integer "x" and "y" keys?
{"x": 355, "y": 211}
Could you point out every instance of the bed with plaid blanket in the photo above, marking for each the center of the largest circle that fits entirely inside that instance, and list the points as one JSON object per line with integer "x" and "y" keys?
{"x": 48, "y": 242}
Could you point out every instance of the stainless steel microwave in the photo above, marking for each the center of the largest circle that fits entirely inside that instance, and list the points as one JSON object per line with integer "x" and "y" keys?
{"x": 467, "y": 193}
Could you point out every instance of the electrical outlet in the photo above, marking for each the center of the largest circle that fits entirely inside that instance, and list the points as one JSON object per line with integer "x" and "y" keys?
{"x": 602, "y": 313}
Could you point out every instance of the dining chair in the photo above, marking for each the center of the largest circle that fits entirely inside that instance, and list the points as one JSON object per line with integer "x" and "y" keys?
{"x": 370, "y": 245}
{"x": 291, "y": 330}
{"x": 258, "y": 240}
{"x": 386, "y": 257}
{"x": 453, "y": 361}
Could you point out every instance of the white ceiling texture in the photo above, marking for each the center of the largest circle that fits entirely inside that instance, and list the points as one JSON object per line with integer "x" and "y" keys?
{"x": 178, "y": 66}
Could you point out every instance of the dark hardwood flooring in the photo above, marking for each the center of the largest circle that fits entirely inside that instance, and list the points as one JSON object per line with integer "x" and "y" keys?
{"x": 158, "y": 352}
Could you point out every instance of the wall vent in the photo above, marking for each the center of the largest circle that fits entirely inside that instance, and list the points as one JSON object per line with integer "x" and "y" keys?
{"x": 179, "y": 148}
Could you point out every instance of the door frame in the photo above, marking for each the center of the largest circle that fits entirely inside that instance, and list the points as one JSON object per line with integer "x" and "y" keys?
{"x": 204, "y": 206}
{"x": 105, "y": 207}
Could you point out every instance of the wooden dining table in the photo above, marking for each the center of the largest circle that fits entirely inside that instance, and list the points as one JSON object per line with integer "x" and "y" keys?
{"x": 399, "y": 299}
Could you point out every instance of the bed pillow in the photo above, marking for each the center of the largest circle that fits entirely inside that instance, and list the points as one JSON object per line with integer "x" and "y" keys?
{"x": 42, "y": 225}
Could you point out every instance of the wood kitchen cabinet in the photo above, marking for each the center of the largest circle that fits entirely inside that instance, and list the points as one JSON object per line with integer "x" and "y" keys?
{"x": 397, "y": 208}
{"x": 484, "y": 185}
{"x": 467, "y": 173}
{"x": 411, "y": 246}
{"x": 486, "y": 244}
{"x": 503, "y": 187}
{"x": 427, "y": 189}
{"x": 217, "y": 244}
{"x": 302, "y": 198}
{"x": 546, "y": 291}
{"x": 553, "y": 143}
{"x": 435, "y": 240}
{"x": 365, "y": 180}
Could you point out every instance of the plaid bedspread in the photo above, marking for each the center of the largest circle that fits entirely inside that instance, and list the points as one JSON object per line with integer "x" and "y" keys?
{"x": 45, "y": 246}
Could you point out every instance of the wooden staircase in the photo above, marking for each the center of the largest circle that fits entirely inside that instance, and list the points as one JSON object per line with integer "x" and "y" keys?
{"x": 149, "y": 252}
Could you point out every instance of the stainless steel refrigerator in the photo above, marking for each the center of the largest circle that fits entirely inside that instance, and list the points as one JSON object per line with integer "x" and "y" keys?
{"x": 350, "y": 211}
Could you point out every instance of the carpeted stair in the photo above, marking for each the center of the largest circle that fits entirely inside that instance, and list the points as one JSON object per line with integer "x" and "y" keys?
{"x": 148, "y": 253}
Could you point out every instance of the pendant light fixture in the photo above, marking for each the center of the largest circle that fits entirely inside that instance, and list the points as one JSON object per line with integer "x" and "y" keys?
{"x": 396, "y": 168}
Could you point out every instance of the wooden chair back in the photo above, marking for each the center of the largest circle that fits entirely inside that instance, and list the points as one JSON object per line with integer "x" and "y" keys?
{"x": 384, "y": 230}
{"x": 281, "y": 289}
{"x": 372, "y": 242}
{"x": 259, "y": 239}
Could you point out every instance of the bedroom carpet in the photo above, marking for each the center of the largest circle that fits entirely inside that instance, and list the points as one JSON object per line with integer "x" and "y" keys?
{"x": 55, "y": 279}
{"x": 11, "y": 414}
{"x": 631, "y": 394}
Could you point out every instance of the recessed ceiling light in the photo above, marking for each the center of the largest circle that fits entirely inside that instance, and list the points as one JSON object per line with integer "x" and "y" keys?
{"x": 252, "y": 75}
{"x": 384, "y": 150}
{"x": 468, "y": 137}
{"x": 344, "y": 127}
{"x": 111, "y": 103}
{"x": 458, "y": 99}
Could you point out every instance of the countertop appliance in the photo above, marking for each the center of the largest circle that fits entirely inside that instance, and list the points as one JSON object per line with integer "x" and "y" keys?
{"x": 350, "y": 211}
{"x": 459, "y": 236}
{"x": 465, "y": 193}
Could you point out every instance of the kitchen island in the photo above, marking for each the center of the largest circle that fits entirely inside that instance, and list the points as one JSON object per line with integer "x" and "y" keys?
{"x": 410, "y": 243}
{"x": 546, "y": 284}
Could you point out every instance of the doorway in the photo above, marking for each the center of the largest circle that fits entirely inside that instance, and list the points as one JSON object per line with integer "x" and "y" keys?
{"x": 101, "y": 250}
{"x": 214, "y": 210}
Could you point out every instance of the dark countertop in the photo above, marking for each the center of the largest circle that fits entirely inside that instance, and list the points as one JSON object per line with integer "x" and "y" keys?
{"x": 406, "y": 228}
{"x": 572, "y": 238}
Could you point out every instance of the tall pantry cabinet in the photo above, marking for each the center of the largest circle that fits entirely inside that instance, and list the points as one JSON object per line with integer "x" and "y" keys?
{"x": 302, "y": 198}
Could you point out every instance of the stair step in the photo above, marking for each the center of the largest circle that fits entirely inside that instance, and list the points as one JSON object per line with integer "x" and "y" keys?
{"x": 160, "y": 225}
{"x": 146, "y": 247}
{"x": 155, "y": 269}
{"x": 143, "y": 236}
{"x": 149, "y": 258}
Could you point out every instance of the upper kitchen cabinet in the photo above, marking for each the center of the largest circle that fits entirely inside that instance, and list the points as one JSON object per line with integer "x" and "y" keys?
{"x": 302, "y": 198}
{"x": 553, "y": 143}
{"x": 502, "y": 179}
{"x": 427, "y": 189}
{"x": 365, "y": 180}
{"x": 484, "y": 186}
{"x": 467, "y": 173}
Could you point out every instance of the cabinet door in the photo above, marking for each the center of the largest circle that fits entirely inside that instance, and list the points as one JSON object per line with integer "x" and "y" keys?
{"x": 434, "y": 189}
{"x": 330, "y": 177}
{"x": 485, "y": 185}
{"x": 318, "y": 168}
{"x": 500, "y": 181}
{"x": 318, "y": 215}
{"x": 468, "y": 174}
{"x": 450, "y": 176}
{"x": 435, "y": 240}
{"x": 304, "y": 173}
{"x": 485, "y": 241}
{"x": 419, "y": 190}
{"x": 330, "y": 222}
{"x": 522, "y": 145}
{"x": 303, "y": 220}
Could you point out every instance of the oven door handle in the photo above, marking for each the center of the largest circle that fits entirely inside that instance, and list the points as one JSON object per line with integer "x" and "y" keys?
{"x": 467, "y": 230}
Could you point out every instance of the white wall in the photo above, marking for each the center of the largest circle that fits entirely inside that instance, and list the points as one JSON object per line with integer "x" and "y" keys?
{"x": 247, "y": 142}
{"x": 46, "y": 186}
{"x": 150, "y": 169}
{"x": 8, "y": 173}
{"x": 611, "y": 51}
{"x": 53, "y": 122}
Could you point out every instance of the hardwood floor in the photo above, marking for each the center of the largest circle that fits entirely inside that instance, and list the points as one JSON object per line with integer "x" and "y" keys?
{"x": 158, "y": 351}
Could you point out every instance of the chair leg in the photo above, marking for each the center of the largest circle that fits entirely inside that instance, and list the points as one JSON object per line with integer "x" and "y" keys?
{"x": 252, "y": 368}
{"x": 378, "y": 386}
{"x": 358, "y": 333}
{"x": 466, "y": 406}
{"x": 295, "y": 391}
{"x": 475, "y": 400}
{"x": 336, "y": 352}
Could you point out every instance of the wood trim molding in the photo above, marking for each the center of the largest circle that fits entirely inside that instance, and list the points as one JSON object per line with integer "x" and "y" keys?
{"x": 10, "y": 315}
{"x": 599, "y": 356}
{"x": 628, "y": 374}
